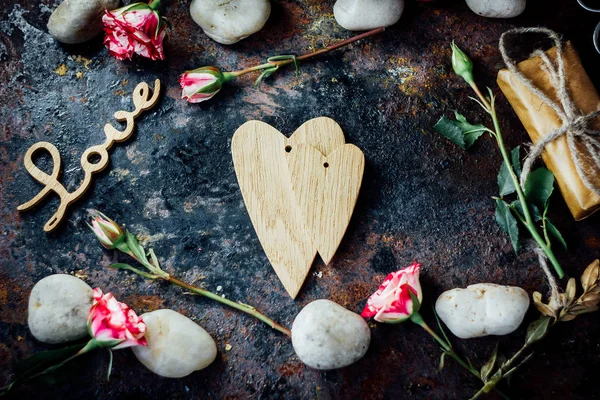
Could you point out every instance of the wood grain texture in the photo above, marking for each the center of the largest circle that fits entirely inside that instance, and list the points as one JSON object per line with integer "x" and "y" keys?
{"x": 143, "y": 99}
{"x": 326, "y": 189}
{"x": 259, "y": 157}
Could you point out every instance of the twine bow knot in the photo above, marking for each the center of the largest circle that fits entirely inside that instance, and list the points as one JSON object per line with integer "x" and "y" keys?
{"x": 576, "y": 128}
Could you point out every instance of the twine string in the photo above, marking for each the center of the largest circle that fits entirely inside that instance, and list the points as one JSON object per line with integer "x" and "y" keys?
{"x": 576, "y": 127}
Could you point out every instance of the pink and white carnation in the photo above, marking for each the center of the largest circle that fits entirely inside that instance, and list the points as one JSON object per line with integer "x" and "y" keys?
{"x": 135, "y": 29}
{"x": 113, "y": 324}
{"x": 393, "y": 301}
{"x": 201, "y": 84}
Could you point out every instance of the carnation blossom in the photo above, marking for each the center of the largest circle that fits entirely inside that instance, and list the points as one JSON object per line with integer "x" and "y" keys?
{"x": 135, "y": 29}
{"x": 394, "y": 301}
{"x": 113, "y": 324}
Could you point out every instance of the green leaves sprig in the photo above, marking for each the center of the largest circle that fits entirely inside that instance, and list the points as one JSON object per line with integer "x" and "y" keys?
{"x": 530, "y": 208}
{"x": 538, "y": 189}
{"x": 459, "y": 131}
{"x": 494, "y": 370}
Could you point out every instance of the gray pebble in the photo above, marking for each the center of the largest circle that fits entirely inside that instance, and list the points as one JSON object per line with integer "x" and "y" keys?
{"x": 58, "y": 309}
{"x": 77, "y": 21}
{"x": 228, "y": 22}
{"x": 497, "y": 8}
{"x": 482, "y": 309}
{"x": 363, "y": 15}
{"x": 177, "y": 346}
{"x": 327, "y": 336}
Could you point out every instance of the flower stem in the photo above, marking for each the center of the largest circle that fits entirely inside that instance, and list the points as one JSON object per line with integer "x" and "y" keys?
{"x": 238, "y": 306}
{"x": 529, "y": 223}
{"x": 418, "y": 319}
{"x": 504, "y": 370}
{"x": 160, "y": 274}
{"x": 89, "y": 346}
{"x": 324, "y": 50}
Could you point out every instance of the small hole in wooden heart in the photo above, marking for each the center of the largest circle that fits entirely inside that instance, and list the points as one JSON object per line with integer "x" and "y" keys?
{"x": 326, "y": 165}
{"x": 94, "y": 158}
{"x": 288, "y": 148}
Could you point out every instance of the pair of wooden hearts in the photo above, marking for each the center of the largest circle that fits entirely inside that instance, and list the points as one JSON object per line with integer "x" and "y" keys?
{"x": 299, "y": 191}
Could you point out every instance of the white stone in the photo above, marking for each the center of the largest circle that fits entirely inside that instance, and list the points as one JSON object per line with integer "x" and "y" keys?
{"x": 177, "y": 346}
{"x": 58, "y": 309}
{"x": 497, "y": 8}
{"x": 228, "y": 22}
{"x": 77, "y": 21}
{"x": 482, "y": 309}
{"x": 327, "y": 336}
{"x": 363, "y": 15}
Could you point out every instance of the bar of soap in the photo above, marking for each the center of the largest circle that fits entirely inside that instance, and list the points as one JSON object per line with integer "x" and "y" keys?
{"x": 58, "y": 309}
{"x": 363, "y": 15}
{"x": 327, "y": 336}
{"x": 482, "y": 309}
{"x": 177, "y": 346}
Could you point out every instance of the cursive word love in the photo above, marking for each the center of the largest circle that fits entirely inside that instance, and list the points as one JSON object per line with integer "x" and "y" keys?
{"x": 93, "y": 160}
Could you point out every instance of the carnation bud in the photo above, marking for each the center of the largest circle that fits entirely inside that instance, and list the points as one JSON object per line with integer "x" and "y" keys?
{"x": 108, "y": 232}
{"x": 202, "y": 84}
{"x": 462, "y": 64}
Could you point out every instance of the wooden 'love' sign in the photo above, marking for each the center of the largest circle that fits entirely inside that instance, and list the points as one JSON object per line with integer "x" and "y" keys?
{"x": 299, "y": 191}
{"x": 143, "y": 99}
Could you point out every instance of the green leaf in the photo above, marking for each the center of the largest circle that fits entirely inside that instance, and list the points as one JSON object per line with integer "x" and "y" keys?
{"x": 130, "y": 268}
{"x": 265, "y": 74}
{"x": 488, "y": 367}
{"x": 533, "y": 210}
{"x": 286, "y": 57}
{"x": 555, "y": 233}
{"x": 515, "y": 158}
{"x": 539, "y": 186}
{"x": 492, "y": 382}
{"x": 451, "y": 131}
{"x": 442, "y": 358}
{"x": 537, "y": 330}
{"x": 110, "y": 364}
{"x": 135, "y": 247}
{"x": 507, "y": 222}
{"x": 459, "y": 131}
{"x": 505, "y": 180}
{"x": 45, "y": 359}
{"x": 439, "y": 323}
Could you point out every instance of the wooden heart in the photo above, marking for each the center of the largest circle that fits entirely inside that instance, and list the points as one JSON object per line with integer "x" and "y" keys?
{"x": 259, "y": 158}
{"x": 326, "y": 189}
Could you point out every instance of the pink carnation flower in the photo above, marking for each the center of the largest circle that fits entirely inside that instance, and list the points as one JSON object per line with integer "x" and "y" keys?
{"x": 114, "y": 325}
{"x": 136, "y": 28}
{"x": 393, "y": 302}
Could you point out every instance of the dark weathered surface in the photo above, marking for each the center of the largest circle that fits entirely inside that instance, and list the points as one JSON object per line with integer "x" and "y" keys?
{"x": 173, "y": 183}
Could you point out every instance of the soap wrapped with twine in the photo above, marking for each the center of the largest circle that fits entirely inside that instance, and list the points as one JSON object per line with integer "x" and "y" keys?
{"x": 559, "y": 107}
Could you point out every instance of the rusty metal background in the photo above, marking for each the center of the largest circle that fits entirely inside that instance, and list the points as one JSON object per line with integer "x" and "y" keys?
{"x": 173, "y": 183}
